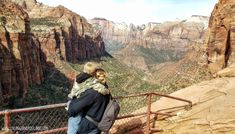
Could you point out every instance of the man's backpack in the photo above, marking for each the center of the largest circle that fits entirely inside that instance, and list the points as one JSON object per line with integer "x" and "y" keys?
{"x": 109, "y": 116}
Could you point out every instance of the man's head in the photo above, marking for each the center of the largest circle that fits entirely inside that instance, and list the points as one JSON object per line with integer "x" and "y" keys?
{"x": 100, "y": 75}
{"x": 90, "y": 68}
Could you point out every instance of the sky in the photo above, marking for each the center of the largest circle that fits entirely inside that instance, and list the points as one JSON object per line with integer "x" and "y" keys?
{"x": 137, "y": 11}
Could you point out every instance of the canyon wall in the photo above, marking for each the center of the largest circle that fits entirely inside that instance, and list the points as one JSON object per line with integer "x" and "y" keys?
{"x": 221, "y": 38}
{"x": 20, "y": 63}
{"x": 62, "y": 33}
{"x": 152, "y": 43}
{"x": 154, "y": 35}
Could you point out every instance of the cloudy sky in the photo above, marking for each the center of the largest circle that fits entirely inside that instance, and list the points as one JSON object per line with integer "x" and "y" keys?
{"x": 137, "y": 11}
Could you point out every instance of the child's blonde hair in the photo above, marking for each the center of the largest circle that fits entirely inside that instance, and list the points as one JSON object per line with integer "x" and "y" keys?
{"x": 90, "y": 67}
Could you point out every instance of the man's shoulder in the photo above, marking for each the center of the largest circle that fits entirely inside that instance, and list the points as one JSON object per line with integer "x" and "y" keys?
{"x": 82, "y": 77}
{"x": 94, "y": 93}
{"x": 91, "y": 91}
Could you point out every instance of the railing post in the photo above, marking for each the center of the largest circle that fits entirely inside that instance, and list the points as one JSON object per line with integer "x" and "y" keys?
{"x": 7, "y": 120}
{"x": 148, "y": 113}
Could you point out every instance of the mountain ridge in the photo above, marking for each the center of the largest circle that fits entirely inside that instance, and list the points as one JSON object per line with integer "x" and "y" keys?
{"x": 128, "y": 43}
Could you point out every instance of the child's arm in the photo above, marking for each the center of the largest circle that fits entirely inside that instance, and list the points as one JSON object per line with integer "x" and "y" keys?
{"x": 74, "y": 90}
{"x": 80, "y": 78}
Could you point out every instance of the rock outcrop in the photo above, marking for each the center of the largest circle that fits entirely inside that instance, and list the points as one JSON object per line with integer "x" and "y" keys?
{"x": 62, "y": 33}
{"x": 20, "y": 63}
{"x": 26, "y": 4}
{"x": 153, "y": 42}
{"x": 221, "y": 38}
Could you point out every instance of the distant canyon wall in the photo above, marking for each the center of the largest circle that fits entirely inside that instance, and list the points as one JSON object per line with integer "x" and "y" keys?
{"x": 151, "y": 43}
{"x": 221, "y": 38}
{"x": 154, "y": 35}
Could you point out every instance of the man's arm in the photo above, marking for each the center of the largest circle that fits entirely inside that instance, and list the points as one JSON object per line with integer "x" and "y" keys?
{"x": 85, "y": 100}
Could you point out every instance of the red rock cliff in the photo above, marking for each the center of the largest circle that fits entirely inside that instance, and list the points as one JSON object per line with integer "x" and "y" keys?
{"x": 20, "y": 64}
{"x": 221, "y": 39}
{"x": 62, "y": 33}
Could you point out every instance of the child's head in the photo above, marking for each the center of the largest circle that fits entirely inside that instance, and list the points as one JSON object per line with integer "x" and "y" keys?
{"x": 90, "y": 68}
{"x": 100, "y": 75}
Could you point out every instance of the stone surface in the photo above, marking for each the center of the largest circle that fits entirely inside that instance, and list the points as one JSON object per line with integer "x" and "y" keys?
{"x": 212, "y": 112}
{"x": 220, "y": 40}
{"x": 227, "y": 72}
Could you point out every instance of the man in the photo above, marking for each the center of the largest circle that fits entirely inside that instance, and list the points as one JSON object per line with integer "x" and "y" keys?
{"x": 91, "y": 102}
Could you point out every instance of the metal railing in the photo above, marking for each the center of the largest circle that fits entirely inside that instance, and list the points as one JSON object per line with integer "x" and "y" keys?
{"x": 53, "y": 118}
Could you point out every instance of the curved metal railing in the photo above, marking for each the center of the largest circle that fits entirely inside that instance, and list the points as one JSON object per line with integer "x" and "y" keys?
{"x": 53, "y": 118}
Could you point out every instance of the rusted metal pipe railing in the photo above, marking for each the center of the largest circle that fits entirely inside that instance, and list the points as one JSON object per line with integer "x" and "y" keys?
{"x": 33, "y": 109}
{"x": 7, "y": 113}
{"x": 131, "y": 115}
{"x": 175, "y": 98}
{"x": 149, "y": 112}
{"x": 52, "y": 131}
{"x": 7, "y": 120}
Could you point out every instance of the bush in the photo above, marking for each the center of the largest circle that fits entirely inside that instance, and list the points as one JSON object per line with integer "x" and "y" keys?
{"x": 51, "y": 22}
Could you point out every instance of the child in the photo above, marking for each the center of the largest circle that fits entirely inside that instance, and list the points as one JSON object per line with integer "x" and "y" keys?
{"x": 97, "y": 82}
{"x": 88, "y": 72}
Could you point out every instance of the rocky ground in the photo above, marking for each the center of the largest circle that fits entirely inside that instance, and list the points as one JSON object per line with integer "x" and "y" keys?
{"x": 212, "y": 111}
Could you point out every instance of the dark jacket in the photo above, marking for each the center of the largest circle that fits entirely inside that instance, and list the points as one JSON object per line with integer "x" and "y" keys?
{"x": 82, "y": 77}
{"x": 90, "y": 103}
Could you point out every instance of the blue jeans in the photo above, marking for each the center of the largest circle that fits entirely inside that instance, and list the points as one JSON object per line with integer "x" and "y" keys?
{"x": 74, "y": 124}
{"x": 94, "y": 131}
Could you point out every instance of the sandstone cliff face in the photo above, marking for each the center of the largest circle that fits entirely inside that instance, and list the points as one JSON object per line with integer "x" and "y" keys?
{"x": 28, "y": 4}
{"x": 64, "y": 34}
{"x": 154, "y": 35}
{"x": 20, "y": 64}
{"x": 171, "y": 39}
{"x": 220, "y": 41}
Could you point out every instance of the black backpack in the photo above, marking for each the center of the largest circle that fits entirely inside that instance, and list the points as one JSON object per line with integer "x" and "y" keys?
{"x": 109, "y": 116}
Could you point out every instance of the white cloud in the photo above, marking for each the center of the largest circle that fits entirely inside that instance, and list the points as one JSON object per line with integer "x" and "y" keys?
{"x": 137, "y": 11}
